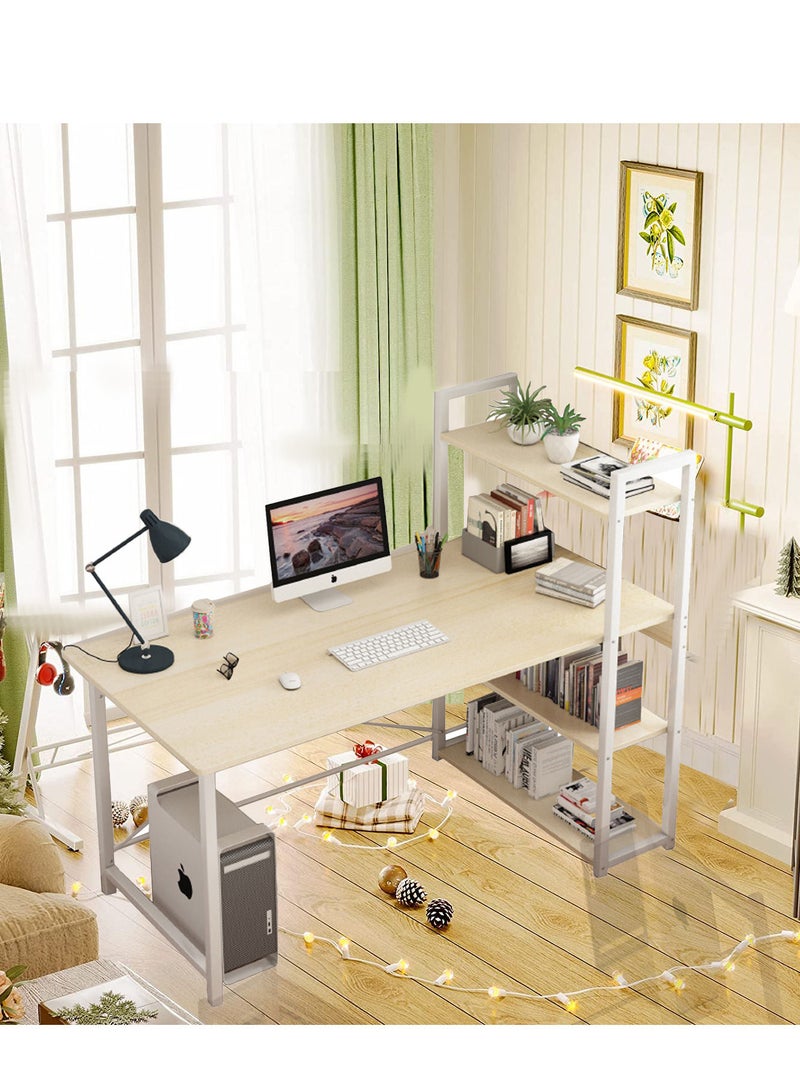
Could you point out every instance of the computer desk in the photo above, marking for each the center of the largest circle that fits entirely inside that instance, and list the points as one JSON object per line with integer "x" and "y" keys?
{"x": 495, "y": 624}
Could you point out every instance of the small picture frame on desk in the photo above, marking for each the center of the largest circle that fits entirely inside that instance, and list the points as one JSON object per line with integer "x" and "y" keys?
{"x": 147, "y": 613}
{"x": 529, "y": 551}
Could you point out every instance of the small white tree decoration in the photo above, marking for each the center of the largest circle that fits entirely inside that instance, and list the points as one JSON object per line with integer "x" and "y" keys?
{"x": 788, "y": 575}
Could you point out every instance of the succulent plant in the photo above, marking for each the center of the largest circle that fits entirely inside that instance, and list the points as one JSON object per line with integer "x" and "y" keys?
{"x": 520, "y": 408}
{"x": 562, "y": 423}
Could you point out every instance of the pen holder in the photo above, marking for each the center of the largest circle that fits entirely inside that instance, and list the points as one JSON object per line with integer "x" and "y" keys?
{"x": 429, "y": 563}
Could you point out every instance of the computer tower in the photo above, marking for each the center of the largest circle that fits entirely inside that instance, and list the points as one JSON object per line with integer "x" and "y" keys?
{"x": 247, "y": 874}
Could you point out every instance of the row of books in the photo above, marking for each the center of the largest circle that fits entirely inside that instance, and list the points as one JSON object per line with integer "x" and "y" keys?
{"x": 505, "y": 513}
{"x": 595, "y": 474}
{"x": 573, "y": 682}
{"x": 572, "y": 581}
{"x": 576, "y": 804}
{"x": 509, "y": 741}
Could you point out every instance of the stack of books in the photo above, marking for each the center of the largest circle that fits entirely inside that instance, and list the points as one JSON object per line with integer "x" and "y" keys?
{"x": 576, "y": 805}
{"x": 573, "y": 682}
{"x": 573, "y": 581}
{"x": 595, "y": 474}
{"x": 505, "y": 513}
{"x": 508, "y": 740}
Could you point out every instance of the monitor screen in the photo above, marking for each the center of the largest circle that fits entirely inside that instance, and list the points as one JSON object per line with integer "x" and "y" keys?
{"x": 327, "y": 538}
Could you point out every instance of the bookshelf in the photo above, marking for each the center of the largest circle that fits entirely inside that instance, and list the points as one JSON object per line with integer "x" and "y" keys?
{"x": 530, "y": 464}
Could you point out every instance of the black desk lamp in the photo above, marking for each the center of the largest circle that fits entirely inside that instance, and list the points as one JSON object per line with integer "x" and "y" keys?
{"x": 167, "y": 542}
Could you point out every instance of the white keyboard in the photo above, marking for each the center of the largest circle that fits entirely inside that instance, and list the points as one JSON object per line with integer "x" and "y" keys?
{"x": 380, "y": 648}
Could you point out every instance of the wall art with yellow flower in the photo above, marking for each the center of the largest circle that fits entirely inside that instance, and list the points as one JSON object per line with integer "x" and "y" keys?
{"x": 658, "y": 253}
{"x": 660, "y": 360}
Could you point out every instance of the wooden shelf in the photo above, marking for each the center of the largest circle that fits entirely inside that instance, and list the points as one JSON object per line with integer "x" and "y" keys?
{"x": 578, "y": 730}
{"x": 492, "y": 444}
{"x": 645, "y": 835}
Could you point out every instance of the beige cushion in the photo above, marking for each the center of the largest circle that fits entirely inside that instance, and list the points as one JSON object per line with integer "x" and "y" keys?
{"x": 28, "y": 857}
{"x": 44, "y": 932}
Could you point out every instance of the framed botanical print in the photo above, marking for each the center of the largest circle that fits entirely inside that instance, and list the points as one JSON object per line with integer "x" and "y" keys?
{"x": 660, "y": 359}
{"x": 658, "y": 251}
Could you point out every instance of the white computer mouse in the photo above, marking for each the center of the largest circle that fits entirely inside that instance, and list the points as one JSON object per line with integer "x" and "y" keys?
{"x": 289, "y": 680}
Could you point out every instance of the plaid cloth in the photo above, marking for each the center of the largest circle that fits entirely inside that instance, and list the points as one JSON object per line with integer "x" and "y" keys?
{"x": 398, "y": 815}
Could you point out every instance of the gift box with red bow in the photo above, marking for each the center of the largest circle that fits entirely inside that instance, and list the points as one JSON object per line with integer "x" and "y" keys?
{"x": 373, "y": 782}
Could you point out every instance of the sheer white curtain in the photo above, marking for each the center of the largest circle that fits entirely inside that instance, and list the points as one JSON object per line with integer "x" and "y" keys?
{"x": 284, "y": 186}
{"x": 27, "y": 399}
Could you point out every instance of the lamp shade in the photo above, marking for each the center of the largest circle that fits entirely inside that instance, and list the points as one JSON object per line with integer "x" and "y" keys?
{"x": 792, "y": 304}
{"x": 167, "y": 541}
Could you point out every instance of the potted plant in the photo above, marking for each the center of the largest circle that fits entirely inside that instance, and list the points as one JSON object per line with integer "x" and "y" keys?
{"x": 522, "y": 412}
{"x": 562, "y": 433}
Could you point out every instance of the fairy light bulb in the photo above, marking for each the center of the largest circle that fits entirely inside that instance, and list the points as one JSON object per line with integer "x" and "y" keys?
{"x": 270, "y": 809}
{"x": 569, "y": 1002}
{"x": 282, "y": 820}
{"x": 445, "y": 978}
{"x": 495, "y": 993}
{"x": 391, "y": 843}
{"x": 308, "y": 938}
{"x": 451, "y": 794}
{"x": 75, "y": 888}
{"x": 329, "y": 837}
{"x": 287, "y": 778}
{"x": 344, "y": 946}
{"x": 305, "y": 818}
{"x": 398, "y": 967}
{"x": 618, "y": 979}
{"x": 433, "y": 835}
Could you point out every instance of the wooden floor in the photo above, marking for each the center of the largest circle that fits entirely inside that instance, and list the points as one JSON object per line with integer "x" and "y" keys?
{"x": 529, "y": 915}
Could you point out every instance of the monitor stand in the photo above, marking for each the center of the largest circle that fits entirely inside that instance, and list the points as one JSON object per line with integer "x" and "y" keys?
{"x": 329, "y": 599}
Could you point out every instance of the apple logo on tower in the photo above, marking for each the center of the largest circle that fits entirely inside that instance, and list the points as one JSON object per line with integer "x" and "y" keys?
{"x": 333, "y": 578}
{"x": 184, "y": 882}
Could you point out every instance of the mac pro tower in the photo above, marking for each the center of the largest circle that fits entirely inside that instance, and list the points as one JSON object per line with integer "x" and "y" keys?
{"x": 246, "y": 852}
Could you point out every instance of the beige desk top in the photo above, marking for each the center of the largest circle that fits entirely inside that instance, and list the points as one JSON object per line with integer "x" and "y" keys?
{"x": 496, "y": 625}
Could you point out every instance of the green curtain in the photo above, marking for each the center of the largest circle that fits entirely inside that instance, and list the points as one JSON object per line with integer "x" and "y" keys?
{"x": 12, "y": 688}
{"x": 386, "y": 253}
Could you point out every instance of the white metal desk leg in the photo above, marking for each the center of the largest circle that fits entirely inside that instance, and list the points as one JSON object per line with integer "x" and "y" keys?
{"x": 437, "y": 727}
{"x": 209, "y": 847}
{"x": 102, "y": 786}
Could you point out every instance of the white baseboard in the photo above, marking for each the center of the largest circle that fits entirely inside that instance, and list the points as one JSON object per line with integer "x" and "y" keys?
{"x": 706, "y": 753}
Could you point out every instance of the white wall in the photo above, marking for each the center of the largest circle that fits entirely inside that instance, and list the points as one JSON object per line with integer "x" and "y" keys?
{"x": 526, "y": 230}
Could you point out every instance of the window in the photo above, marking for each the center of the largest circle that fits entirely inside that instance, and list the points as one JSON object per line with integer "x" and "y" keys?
{"x": 147, "y": 328}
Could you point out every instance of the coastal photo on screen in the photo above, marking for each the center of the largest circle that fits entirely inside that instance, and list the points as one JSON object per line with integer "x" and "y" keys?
{"x": 319, "y": 532}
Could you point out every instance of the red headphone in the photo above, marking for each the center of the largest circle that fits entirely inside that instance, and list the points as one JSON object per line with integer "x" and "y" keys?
{"x": 46, "y": 673}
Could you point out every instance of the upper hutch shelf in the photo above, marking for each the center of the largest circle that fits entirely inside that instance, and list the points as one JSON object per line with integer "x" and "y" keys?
{"x": 492, "y": 444}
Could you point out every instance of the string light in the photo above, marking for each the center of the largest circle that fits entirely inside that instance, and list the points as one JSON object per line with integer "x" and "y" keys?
{"x": 391, "y": 842}
{"x": 432, "y": 835}
{"x": 75, "y": 889}
{"x": 329, "y": 837}
{"x": 451, "y": 794}
{"x": 308, "y": 939}
{"x": 143, "y": 884}
{"x": 566, "y": 999}
{"x": 287, "y": 778}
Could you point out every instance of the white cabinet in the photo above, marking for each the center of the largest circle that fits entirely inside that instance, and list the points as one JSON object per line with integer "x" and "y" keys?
{"x": 767, "y": 722}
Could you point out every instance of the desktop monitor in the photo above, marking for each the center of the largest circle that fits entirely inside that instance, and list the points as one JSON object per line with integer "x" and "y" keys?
{"x": 327, "y": 538}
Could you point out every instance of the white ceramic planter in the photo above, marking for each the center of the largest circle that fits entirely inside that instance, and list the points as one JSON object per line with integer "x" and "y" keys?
{"x": 526, "y": 436}
{"x": 561, "y": 449}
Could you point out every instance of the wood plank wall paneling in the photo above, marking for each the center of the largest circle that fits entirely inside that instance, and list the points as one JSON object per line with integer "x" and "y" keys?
{"x": 526, "y": 257}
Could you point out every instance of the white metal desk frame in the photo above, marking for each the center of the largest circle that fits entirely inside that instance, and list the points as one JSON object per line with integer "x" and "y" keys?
{"x": 211, "y": 962}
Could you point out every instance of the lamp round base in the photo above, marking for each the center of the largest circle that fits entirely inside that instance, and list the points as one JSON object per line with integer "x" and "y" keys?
{"x": 137, "y": 660}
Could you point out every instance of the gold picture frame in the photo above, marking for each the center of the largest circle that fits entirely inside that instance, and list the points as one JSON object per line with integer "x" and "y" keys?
{"x": 658, "y": 244}
{"x": 660, "y": 358}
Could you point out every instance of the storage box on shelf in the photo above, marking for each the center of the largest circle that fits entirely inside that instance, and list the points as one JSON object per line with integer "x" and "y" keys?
{"x": 626, "y": 609}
